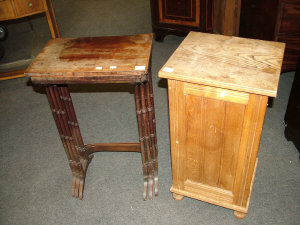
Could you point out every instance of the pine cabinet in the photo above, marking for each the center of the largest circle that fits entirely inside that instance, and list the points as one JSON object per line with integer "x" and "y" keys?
{"x": 218, "y": 90}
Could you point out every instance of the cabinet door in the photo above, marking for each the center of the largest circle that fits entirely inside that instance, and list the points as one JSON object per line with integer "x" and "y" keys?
{"x": 182, "y": 12}
{"x": 214, "y": 141}
{"x": 27, "y": 7}
{"x": 6, "y": 10}
{"x": 288, "y": 31}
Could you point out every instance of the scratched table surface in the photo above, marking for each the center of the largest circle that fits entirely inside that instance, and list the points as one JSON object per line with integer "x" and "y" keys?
{"x": 228, "y": 62}
{"x": 92, "y": 60}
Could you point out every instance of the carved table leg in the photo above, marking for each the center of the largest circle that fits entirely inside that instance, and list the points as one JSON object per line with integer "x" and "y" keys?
{"x": 146, "y": 126}
{"x": 67, "y": 125}
{"x": 142, "y": 139}
{"x": 153, "y": 147}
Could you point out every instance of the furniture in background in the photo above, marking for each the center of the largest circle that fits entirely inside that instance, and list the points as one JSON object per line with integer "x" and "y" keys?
{"x": 181, "y": 16}
{"x": 292, "y": 114}
{"x": 124, "y": 59}
{"x": 15, "y": 9}
{"x": 274, "y": 20}
{"x": 218, "y": 90}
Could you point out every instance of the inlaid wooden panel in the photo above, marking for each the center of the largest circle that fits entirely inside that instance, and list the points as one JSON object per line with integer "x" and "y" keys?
{"x": 290, "y": 13}
{"x": 185, "y": 12}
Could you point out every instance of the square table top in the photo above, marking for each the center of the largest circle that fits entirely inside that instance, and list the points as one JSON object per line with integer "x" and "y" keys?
{"x": 93, "y": 60}
{"x": 235, "y": 63}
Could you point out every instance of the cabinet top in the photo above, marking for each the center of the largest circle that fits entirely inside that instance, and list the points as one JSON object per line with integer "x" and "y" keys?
{"x": 228, "y": 62}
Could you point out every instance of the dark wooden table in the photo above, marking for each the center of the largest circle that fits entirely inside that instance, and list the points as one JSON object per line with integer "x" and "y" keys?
{"x": 91, "y": 60}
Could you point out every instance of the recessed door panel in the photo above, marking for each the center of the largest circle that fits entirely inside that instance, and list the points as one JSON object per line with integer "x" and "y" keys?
{"x": 184, "y": 12}
{"x": 213, "y": 132}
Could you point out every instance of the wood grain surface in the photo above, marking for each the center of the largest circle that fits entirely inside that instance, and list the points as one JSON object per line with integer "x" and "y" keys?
{"x": 214, "y": 143}
{"x": 228, "y": 62}
{"x": 67, "y": 60}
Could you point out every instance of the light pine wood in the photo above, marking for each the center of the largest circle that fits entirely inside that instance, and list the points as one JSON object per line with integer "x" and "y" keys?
{"x": 227, "y": 62}
{"x": 215, "y": 131}
{"x": 239, "y": 215}
{"x": 96, "y": 59}
{"x": 178, "y": 197}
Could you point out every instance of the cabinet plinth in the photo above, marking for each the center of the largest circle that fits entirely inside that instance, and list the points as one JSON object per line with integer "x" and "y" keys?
{"x": 217, "y": 107}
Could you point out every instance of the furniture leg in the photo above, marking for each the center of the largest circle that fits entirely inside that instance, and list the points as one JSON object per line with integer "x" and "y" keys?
{"x": 146, "y": 127}
{"x": 51, "y": 19}
{"x": 61, "y": 118}
{"x": 85, "y": 154}
{"x": 239, "y": 215}
{"x": 151, "y": 112}
{"x": 177, "y": 197}
{"x": 142, "y": 138}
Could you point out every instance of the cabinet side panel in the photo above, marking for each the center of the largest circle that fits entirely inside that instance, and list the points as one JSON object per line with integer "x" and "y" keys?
{"x": 212, "y": 139}
{"x": 252, "y": 127}
{"x": 194, "y": 136}
{"x": 177, "y": 131}
{"x": 234, "y": 117}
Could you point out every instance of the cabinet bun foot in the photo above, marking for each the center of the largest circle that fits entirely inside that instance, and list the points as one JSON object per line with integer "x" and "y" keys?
{"x": 239, "y": 215}
{"x": 177, "y": 197}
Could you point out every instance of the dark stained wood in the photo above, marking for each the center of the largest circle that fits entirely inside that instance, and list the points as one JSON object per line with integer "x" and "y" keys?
{"x": 146, "y": 130}
{"x": 153, "y": 140}
{"x": 287, "y": 30}
{"x": 274, "y": 20}
{"x": 258, "y": 19}
{"x": 123, "y": 59}
{"x": 181, "y": 16}
{"x": 292, "y": 114}
{"x": 142, "y": 138}
{"x": 93, "y": 60}
{"x": 114, "y": 147}
{"x": 226, "y": 18}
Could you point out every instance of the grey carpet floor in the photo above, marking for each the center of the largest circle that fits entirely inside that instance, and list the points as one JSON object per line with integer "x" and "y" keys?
{"x": 35, "y": 180}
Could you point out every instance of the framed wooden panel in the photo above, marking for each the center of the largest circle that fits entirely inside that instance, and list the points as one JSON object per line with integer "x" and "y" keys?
{"x": 215, "y": 134}
{"x": 184, "y": 12}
